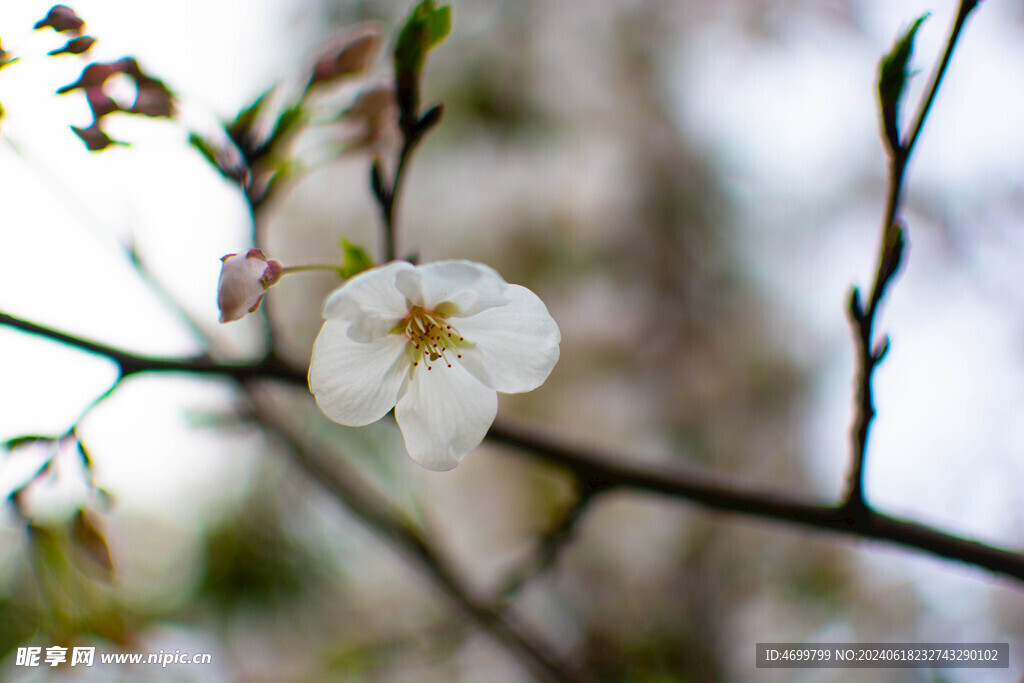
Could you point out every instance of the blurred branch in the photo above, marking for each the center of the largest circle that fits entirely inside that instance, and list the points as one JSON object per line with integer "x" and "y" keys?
{"x": 413, "y": 129}
{"x": 609, "y": 471}
{"x": 870, "y": 354}
{"x": 130, "y": 363}
{"x": 373, "y": 509}
{"x": 388, "y": 521}
{"x": 424, "y": 28}
{"x": 606, "y": 472}
{"x": 552, "y": 542}
{"x": 966, "y": 7}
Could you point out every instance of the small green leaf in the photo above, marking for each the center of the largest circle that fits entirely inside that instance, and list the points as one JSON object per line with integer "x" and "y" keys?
{"x": 290, "y": 119}
{"x": 227, "y": 159}
{"x": 355, "y": 259}
{"x": 86, "y": 458}
{"x": 426, "y": 27}
{"x": 439, "y": 25}
{"x": 18, "y": 441}
{"x": 892, "y": 79}
{"x": 430, "y": 118}
{"x": 204, "y": 148}
{"x": 410, "y": 48}
{"x": 377, "y": 182}
{"x": 244, "y": 122}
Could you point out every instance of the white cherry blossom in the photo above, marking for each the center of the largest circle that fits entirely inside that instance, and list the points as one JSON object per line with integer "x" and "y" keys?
{"x": 434, "y": 342}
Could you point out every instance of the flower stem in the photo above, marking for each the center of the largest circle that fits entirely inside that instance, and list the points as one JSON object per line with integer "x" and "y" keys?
{"x": 331, "y": 267}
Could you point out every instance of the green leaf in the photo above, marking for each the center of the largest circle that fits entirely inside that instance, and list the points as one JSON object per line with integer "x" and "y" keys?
{"x": 246, "y": 119}
{"x": 354, "y": 258}
{"x": 227, "y": 158}
{"x": 426, "y": 27}
{"x": 18, "y": 441}
{"x": 439, "y": 25}
{"x": 892, "y": 80}
{"x": 204, "y": 148}
{"x": 410, "y": 48}
{"x": 290, "y": 119}
{"x": 86, "y": 458}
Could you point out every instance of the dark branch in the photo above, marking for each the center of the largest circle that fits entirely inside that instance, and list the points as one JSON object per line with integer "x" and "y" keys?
{"x": 965, "y": 9}
{"x": 130, "y": 363}
{"x": 413, "y": 128}
{"x": 611, "y": 471}
{"x": 890, "y": 257}
{"x": 373, "y": 510}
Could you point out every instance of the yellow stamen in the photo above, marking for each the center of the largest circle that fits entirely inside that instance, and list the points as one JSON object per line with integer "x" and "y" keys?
{"x": 431, "y": 337}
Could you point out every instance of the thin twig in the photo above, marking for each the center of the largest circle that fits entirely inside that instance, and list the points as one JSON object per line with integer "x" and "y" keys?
{"x": 387, "y": 197}
{"x": 550, "y": 544}
{"x": 966, "y": 7}
{"x": 862, "y": 320}
{"x": 130, "y": 363}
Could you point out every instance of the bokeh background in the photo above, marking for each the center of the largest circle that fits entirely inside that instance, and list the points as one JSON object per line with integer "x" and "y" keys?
{"x": 691, "y": 187}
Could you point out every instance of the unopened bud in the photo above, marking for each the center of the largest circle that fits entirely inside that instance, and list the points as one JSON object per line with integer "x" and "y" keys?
{"x": 374, "y": 113}
{"x": 75, "y": 46}
{"x": 60, "y": 18}
{"x": 352, "y": 52}
{"x": 244, "y": 278}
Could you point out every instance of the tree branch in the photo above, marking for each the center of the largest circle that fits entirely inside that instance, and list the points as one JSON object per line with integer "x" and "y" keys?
{"x": 130, "y": 364}
{"x": 413, "y": 129}
{"x": 868, "y": 355}
{"x": 372, "y": 509}
{"x": 608, "y": 472}
{"x": 389, "y": 522}
{"x": 611, "y": 471}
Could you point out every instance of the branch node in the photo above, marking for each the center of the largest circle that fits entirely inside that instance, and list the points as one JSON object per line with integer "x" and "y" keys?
{"x": 880, "y": 350}
{"x": 854, "y": 306}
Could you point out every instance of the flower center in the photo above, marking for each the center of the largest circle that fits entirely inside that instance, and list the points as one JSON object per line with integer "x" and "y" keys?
{"x": 431, "y": 337}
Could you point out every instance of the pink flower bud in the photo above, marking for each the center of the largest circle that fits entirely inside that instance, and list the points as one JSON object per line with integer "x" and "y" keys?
{"x": 244, "y": 278}
{"x": 350, "y": 53}
{"x": 60, "y": 18}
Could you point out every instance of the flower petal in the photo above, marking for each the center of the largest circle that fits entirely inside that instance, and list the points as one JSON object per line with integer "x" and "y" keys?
{"x": 356, "y": 383}
{"x": 466, "y": 288}
{"x": 515, "y": 346}
{"x": 444, "y": 414}
{"x": 370, "y": 302}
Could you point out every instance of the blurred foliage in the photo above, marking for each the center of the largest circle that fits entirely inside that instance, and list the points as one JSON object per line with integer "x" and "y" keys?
{"x": 253, "y": 563}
